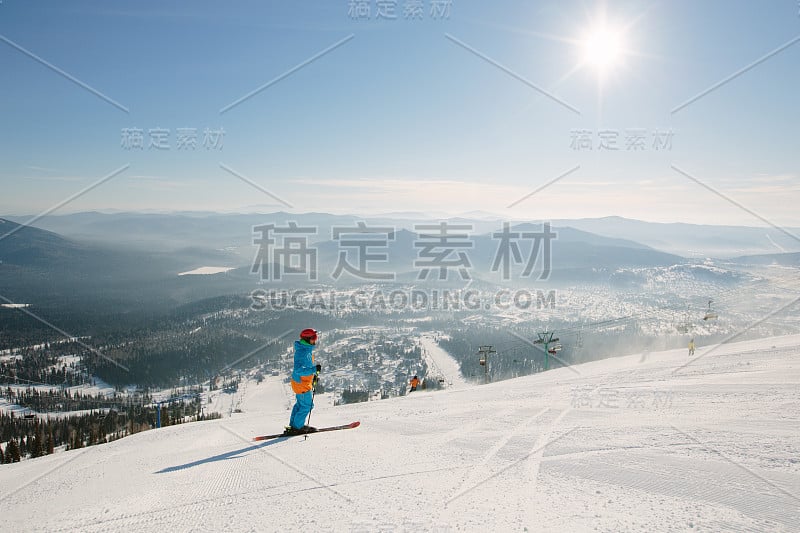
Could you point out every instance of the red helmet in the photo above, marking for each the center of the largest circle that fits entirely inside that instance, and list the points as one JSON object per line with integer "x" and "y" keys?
{"x": 308, "y": 334}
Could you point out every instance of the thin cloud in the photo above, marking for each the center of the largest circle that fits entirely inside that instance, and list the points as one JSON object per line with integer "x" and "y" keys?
{"x": 41, "y": 169}
{"x": 53, "y": 178}
{"x": 767, "y": 189}
{"x": 775, "y": 178}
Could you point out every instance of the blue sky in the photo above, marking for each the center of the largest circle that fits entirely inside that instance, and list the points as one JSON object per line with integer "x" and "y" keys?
{"x": 472, "y": 110}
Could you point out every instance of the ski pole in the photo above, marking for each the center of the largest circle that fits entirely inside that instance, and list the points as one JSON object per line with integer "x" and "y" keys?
{"x": 308, "y": 420}
{"x": 313, "y": 393}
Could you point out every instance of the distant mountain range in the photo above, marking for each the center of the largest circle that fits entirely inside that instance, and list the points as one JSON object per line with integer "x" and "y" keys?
{"x": 54, "y": 271}
{"x": 28, "y": 252}
{"x": 692, "y": 240}
{"x": 129, "y": 260}
{"x": 234, "y": 232}
{"x": 788, "y": 260}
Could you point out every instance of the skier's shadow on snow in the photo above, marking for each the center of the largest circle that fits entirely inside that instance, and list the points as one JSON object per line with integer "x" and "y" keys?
{"x": 221, "y": 457}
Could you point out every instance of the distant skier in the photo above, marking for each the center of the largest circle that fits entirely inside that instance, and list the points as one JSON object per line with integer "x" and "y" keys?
{"x": 304, "y": 378}
{"x": 691, "y": 347}
{"x": 414, "y": 383}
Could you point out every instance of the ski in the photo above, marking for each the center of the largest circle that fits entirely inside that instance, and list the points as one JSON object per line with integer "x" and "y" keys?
{"x": 319, "y": 430}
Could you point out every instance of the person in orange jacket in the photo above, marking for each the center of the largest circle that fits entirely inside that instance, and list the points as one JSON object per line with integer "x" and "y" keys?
{"x": 414, "y": 383}
{"x": 304, "y": 377}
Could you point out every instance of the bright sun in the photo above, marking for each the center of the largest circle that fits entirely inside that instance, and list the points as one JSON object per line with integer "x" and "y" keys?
{"x": 602, "y": 48}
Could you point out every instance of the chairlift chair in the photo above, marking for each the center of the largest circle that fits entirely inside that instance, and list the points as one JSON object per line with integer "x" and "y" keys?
{"x": 710, "y": 313}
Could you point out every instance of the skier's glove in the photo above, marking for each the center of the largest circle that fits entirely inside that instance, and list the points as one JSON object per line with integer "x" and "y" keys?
{"x": 319, "y": 369}
{"x": 314, "y": 382}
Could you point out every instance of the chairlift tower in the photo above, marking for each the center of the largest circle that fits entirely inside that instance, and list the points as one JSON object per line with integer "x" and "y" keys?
{"x": 484, "y": 360}
{"x": 547, "y": 338}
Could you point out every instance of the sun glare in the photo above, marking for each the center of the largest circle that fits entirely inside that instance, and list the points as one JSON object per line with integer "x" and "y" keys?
{"x": 602, "y": 48}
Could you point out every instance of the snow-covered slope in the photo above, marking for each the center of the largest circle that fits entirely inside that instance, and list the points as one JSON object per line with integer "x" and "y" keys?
{"x": 638, "y": 443}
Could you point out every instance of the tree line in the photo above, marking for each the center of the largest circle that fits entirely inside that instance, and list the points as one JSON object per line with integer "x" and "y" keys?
{"x": 44, "y": 366}
{"x": 28, "y": 437}
{"x": 63, "y": 400}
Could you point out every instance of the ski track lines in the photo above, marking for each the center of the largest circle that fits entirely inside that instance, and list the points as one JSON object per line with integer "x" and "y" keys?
{"x": 516, "y": 458}
{"x": 226, "y": 475}
{"x": 680, "y": 477}
{"x": 516, "y": 463}
{"x": 480, "y": 470}
{"x": 230, "y": 497}
{"x": 469, "y": 424}
{"x": 502, "y": 456}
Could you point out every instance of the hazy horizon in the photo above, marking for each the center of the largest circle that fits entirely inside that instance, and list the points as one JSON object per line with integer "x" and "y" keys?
{"x": 24, "y": 218}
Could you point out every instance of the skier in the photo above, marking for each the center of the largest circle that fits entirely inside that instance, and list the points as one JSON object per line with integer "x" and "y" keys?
{"x": 414, "y": 383}
{"x": 304, "y": 378}
{"x": 691, "y": 347}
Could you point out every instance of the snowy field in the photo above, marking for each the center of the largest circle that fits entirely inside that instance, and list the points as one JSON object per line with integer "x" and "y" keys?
{"x": 636, "y": 443}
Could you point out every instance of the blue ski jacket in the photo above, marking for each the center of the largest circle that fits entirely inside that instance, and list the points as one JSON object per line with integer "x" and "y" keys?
{"x": 304, "y": 368}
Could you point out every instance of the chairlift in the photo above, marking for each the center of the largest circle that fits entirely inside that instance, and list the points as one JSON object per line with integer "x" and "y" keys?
{"x": 482, "y": 361}
{"x": 710, "y": 313}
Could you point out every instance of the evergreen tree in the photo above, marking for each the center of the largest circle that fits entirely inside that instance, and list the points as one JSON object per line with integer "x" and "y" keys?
{"x": 12, "y": 452}
{"x": 37, "y": 446}
{"x": 76, "y": 440}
